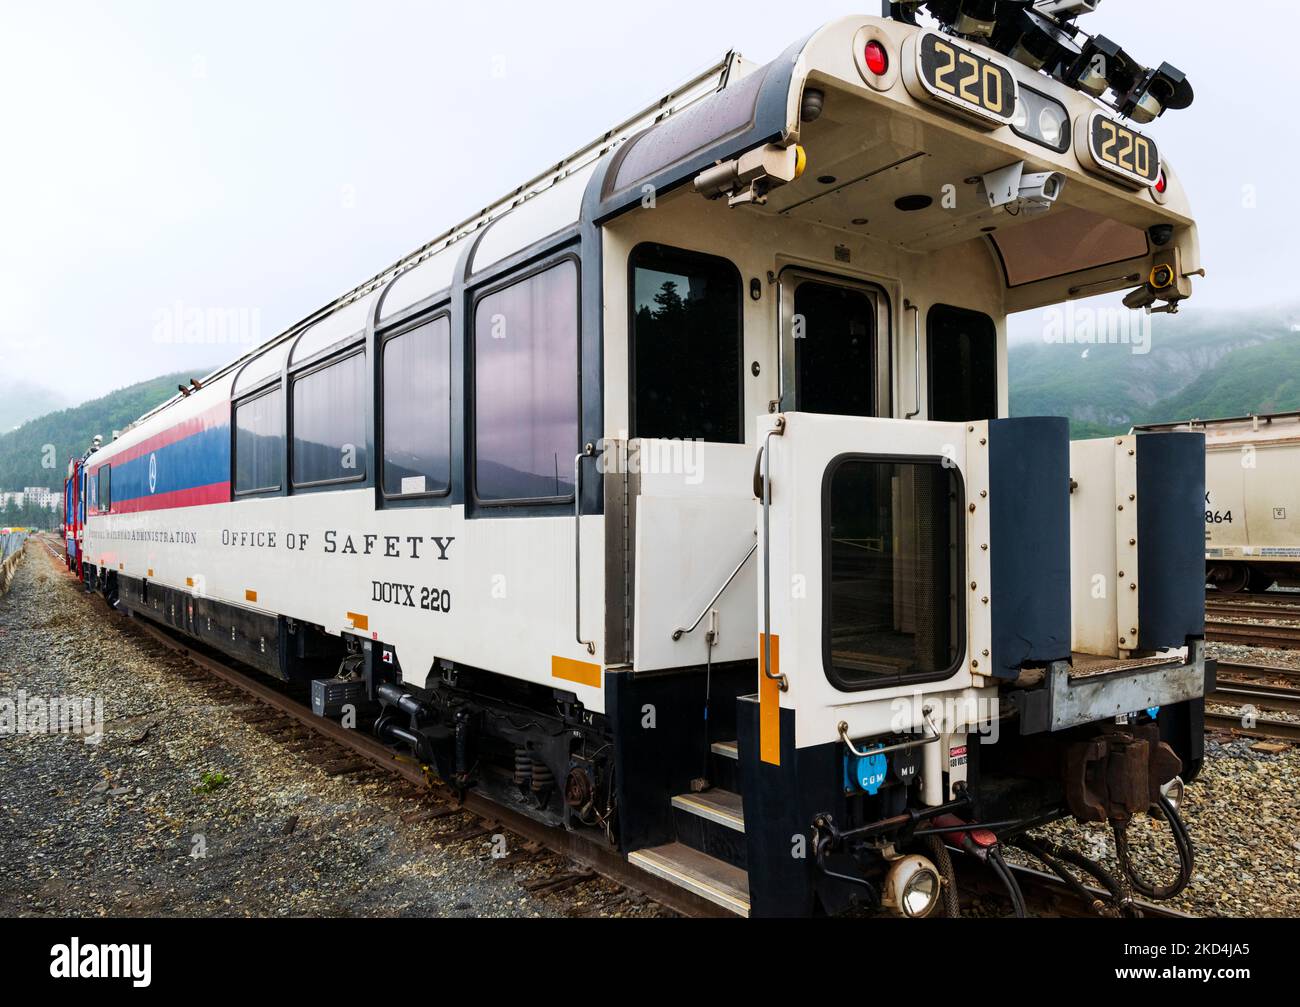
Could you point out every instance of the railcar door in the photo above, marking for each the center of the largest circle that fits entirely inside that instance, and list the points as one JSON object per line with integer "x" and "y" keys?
{"x": 834, "y": 345}
{"x": 869, "y": 556}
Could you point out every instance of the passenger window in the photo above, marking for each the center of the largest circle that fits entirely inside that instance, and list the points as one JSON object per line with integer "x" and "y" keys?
{"x": 329, "y": 423}
{"x": 686, "y": 345}
{"x": 105, "y": 488}
{"x": 526, "y": 388}
{"x": 417, "y": 410}
{"x": 963, "y": 364}
{"x": 259, "y": 443}
{"x": 893, "y": 570}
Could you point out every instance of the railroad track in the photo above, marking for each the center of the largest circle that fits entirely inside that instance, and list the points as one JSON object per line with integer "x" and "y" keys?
{"x": 339, "y": 751}
{"x": 1253, "y": 634}
{"x": 482, "y": 817}
{"x": 1046, "y": 894}
{"x": 1251, "y": 610}
{"x": 1254, "y": 686}
{"x": 1246, "y": 673}
{"x": 1259, "y": 600}
{"x": 1257, "y": 727}
{"x": 1258, "y": 695}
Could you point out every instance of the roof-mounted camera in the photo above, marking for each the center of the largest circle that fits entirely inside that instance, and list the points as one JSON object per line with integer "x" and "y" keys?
{"x": 1042, "y": 34}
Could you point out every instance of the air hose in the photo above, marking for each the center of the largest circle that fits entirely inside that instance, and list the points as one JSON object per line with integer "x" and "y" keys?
{"x": 1186, "y": 855}
{"x": 1008, "y": 879}
{"x": 1052, "y": 854}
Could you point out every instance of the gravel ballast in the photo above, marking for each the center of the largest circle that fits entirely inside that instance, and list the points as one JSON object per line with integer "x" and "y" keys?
{"x": 133, "y": 826}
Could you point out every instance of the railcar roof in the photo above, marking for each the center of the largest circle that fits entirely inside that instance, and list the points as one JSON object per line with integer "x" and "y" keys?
{"x": 731, "y": 106}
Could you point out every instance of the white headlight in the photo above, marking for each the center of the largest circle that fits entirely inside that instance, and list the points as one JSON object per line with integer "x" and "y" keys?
{"x": 912, "y": 887}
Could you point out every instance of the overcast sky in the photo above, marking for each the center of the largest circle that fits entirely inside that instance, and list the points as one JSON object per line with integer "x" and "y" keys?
{"x": 264, "y": 157}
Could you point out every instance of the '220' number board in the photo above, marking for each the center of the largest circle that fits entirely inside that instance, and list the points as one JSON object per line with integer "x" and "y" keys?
{"x": 964, "y": 80}
{"x": 1123, "y": 152}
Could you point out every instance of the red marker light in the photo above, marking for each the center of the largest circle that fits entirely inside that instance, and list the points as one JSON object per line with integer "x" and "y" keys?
{"x": 876, "y": 58}
{"x": 1161, "y": 184}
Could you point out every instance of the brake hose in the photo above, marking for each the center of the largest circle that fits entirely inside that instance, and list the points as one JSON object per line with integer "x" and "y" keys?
{"x": 1030, "y": 846}
{"x": 1008, "y": 879}
{"x": 1049, "y": 853}
{"x": 1186, "y": 855}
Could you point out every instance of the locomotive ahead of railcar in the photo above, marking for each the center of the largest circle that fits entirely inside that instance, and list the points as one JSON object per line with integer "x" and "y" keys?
{"x": 673, "y": 499}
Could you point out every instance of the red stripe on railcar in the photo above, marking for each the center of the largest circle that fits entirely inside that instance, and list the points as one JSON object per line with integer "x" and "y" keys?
{"x": 194, "y": 497}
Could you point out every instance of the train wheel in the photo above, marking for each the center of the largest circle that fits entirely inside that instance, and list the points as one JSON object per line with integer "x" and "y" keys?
{"x": 1230, "y": 579}
{"x": 1260, "y": 580}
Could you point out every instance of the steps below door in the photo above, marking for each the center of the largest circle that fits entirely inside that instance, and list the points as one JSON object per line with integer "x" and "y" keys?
{"x": 708, "y": 877}
{"x": 716, "y": 805}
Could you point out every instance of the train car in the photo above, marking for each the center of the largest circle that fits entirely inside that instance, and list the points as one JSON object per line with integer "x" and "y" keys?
{"x": 1252, "y": 500}
{"x": 74, "y": 510}
{"x": 673, "y": 499}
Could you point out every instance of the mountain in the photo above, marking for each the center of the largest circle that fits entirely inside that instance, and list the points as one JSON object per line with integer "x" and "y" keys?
{"x": 1193, "y": 365}
{"x": 37, "y": 453}
{"x": 22, "y": 400}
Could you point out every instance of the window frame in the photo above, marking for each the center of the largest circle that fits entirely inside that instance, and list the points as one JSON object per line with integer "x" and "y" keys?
{"x": 403, "y": 328}
{"x": 788, "y": 281}
{"x": 104, "y": 488}
{"x": 306, "y": 370}
{"x": 930, "y": 358}
{"x": 275, "y": 386}
{"x": 959, "y": 547}
{"x": 470, "y": 334}
{"x": 688, "y": 254}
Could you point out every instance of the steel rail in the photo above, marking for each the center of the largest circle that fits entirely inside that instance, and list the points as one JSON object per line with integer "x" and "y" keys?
{"x": 1254, "y": 634}
{"x": 1269, "y": 697}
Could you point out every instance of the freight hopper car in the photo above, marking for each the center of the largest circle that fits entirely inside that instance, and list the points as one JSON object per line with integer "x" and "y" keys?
{"x": 1252, "y": 500}
{"x": 673, "y": 499}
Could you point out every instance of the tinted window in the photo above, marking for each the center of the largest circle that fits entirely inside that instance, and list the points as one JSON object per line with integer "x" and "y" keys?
{"x": 893, "y": 572}
{"x": 417, "y": 410}
{"x": 259, "y": 442}
{"x": 526, "y": 387}
{"x": 963, "y": 365}
{"x": 329, "y": 422}
{"x": 834, "y": 349}
{"x": 686, "y": 345}
{"x": 105, "y": 490}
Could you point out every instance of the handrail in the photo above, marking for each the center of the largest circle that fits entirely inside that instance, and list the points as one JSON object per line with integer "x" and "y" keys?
{"x": 778, "y": 428}
{"x": 926, "y": 712}
{"x": 681, "y": 631}
{"x": 916, "y": 361}
{"x": 588, "y": 451}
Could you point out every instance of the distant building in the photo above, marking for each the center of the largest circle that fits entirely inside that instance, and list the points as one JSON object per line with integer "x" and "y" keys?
{"x": 39, "y": 496}
{"x": 32, "y": 496}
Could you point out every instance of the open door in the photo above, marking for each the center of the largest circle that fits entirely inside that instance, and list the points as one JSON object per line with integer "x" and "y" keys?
{"x": 866, "y": 550}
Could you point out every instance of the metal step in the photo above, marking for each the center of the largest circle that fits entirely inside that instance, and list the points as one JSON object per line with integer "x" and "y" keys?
{"x": 727, "y": 749}
{"x": 721, "y": 806}
{"x": 706, "y": 876}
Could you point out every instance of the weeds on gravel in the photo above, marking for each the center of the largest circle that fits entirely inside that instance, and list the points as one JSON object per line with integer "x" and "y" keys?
{"x": 211, "y": 781}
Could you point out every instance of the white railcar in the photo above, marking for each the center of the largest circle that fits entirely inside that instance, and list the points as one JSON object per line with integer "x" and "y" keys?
{"x": 1252, "y": 500}
{"x": 673, "y": 500}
